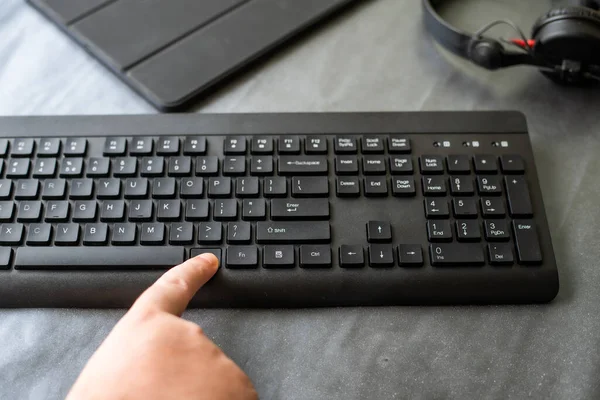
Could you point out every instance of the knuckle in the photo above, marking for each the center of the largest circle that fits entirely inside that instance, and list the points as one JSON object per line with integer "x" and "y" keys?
{"x": 176, "y": 282}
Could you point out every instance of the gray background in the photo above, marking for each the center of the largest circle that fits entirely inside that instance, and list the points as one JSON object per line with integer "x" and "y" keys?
{"x": 375, "y": 58}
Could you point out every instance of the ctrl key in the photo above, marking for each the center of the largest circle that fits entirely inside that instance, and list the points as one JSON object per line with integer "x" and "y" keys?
{"x": 315, "y": 256}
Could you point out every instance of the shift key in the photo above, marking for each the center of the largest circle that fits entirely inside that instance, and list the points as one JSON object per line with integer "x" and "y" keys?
{"x": 293, "y": 232}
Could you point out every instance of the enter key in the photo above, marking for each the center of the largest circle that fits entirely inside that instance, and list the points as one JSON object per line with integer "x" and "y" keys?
{"x": 299, "y": 209}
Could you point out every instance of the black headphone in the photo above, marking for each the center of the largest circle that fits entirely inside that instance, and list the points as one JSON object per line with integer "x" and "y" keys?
{"x": 564, "y": 44}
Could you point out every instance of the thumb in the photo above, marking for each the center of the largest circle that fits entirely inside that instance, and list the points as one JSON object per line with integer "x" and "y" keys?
{"x": 173, "y": 291}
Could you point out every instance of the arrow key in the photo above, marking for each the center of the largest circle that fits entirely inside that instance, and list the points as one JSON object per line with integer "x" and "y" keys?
{"x": 379, "y": 231}
{"x": 381, "y": 255}
{"x": 410, "y": 255}
{"x": 351, "y": 256}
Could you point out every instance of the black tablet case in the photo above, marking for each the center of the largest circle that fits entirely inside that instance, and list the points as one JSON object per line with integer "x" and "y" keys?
{"x": 173, "y": 51}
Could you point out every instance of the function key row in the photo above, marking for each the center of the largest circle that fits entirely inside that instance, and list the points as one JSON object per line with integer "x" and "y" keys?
{"x": 26, "y": 147}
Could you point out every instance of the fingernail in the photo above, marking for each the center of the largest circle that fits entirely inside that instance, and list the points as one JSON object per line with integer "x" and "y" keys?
{"x": 210, "y": 257}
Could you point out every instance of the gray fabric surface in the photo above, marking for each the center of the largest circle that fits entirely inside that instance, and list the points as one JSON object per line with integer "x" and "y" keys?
{"x": 376, "y": 58}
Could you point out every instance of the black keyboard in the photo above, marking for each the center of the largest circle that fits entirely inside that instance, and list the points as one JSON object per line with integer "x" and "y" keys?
{"x": 301, "y": 209}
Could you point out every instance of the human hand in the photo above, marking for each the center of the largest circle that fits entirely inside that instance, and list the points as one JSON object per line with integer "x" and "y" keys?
{"x": 154, "y": 354}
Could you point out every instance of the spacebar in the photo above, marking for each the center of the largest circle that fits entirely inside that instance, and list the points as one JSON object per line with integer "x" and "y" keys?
{"x": 98, "y": 257}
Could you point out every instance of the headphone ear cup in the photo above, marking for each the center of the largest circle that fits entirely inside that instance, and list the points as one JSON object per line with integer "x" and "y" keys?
{"x": 565, "y": 13}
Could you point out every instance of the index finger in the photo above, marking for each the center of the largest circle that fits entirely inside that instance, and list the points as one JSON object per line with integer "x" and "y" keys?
{"x": 173, "y": 291}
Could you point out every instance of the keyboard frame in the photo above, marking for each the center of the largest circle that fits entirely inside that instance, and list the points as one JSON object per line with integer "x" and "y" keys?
{"x": 299, "y": 287}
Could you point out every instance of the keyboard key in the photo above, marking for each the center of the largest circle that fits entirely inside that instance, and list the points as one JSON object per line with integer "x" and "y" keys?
{"x": 98, "y": 167}
{"x": 11, "y": 234}
{"x": 431, "y": 165}
{"x": 239, "y": 232}
{"x": 289, "y": 145}
{"x": 489, "y": 185}
{"x": 262, "y": 145}
{"x": 261, "y": 165}
{"x": 461, "y": 186}
{"x": 71, "y": 168}
{"x": 6, "y": 188}
{"x": 512, "y": 164}
{"x": 95, "y": 234}
{"x": 112, "y": 210}
{"x": 292, "y": 232}
{"x": 379, "y": 231}
{"x": 136, "y": 188}
{"x": 22, "y": 148}
{"x": 242, "y": 257}
{"x": 81, "y": 189}
{"x": 108, "y": 188}
{"x": 456, "y": 254}
{"x": 207, "y": 166}
{"x": 468, "y": 231}
{"x": 163, "y": 188}
{"x": 434, "y": 186}
{"x": 398, "y": 145}
{"x": 275, "y": 187}
{"x": 372, "y": 144}
{"x": 44, "y": 168}
{"x": 347, "y": 187}
{"x": 225, "y": 210}
{"x": 39, "y": 235}
{"x": 153, "y": 166}
{"x": 246, "y": 187}
{"x": 27, "y": 189}
{"x": 181, "y": 233}
{"x": 168, "y": 210}
{"x": 300, "y": 209}
{"x": 152, "y": 234}
{"x": 84, "y": 211}
{"x": 376, "y": 186}
{"x": 124, "y": 167}
{"x": 403, "y": 187}
{"x": 492, "y": 207}
{"x": 29, "y": 211}
{"x": 194, "y": 145}
{"x": 115, "y": 146}
{"x": 345, "y": 145}
{"x": 381, "y": 255}
{"x": 6, "y": 211}
{"x": 123, "y": 235}
{"x": 278, "y": 256}
{"x": 234, "y": 166}
{"x": 141, "y": 147}
{"x": 346, "y": 165}
{"x": 140, "y": 210}
{"x": 464, "y": 207}
{"x": 310, "y": 186}
{"x": 87, "y": 258}
{"x": 436, "y": 208}
{"x": 374, "y": 165}
{"x": 254, "y": 209}
{"x": 167, "y": 146}
{"x": 458, "y": 164}
{"x": 410, "y": 255}
{"x": 5, "y": 257}
{"x": 196, "y": 210}
{"x": 66, "y": 235}
{"x": 401, "y": 165}
{"x": 500, "y": 254}
{"x": 49, "y": 148}
{"x": 439, "y": 231}
{"x": 496, "y": 231}
{"x": 191, "y": 187}
{"x": 351, "y": 256}
{"x": 527, "y": 242}
{"x": 3, "y": 147}
{"x": 315, "y": 256}
{"x": 234, "y": 145}
{"x": 303, "y": 165}
{"x": 315, "y": 145}
{"x": 485, "y": 164}
{"x": 179, "y": 166}
{"x": 17, "y": 168}
{"x": 517, "y": 193}
{"x": 54, "y": 189}
{"x": 75, "y": 147}
{"x": 210, "y": 232}
{"x": 219, "y": 187}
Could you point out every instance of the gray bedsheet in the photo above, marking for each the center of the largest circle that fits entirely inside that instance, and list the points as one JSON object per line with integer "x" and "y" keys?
{"x": 376, "y": 58}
